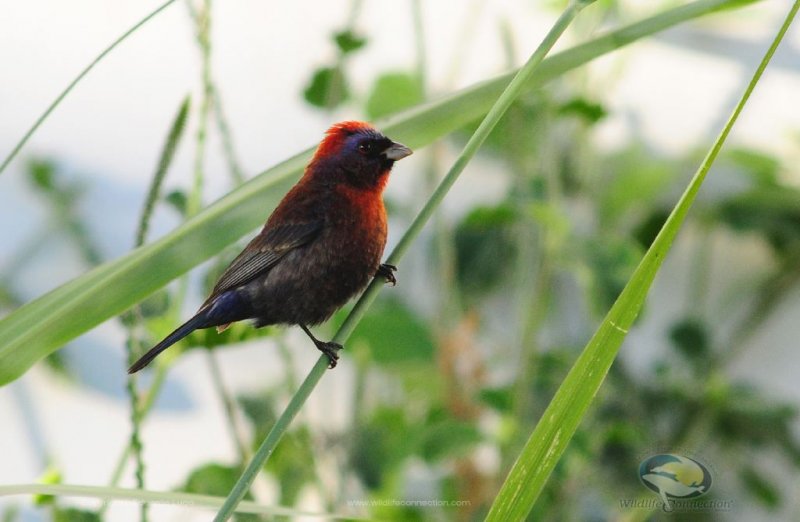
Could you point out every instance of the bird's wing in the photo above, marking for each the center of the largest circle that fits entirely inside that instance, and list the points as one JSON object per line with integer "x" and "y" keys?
{"x": 264, "y": 251}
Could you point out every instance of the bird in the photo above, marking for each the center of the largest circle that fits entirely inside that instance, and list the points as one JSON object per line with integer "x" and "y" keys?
{"x": 319, "y": 248}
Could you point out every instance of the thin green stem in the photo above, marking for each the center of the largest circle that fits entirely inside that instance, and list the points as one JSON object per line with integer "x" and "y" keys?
{"x": 157, "y": 497}
{"x": 473, "y": 15}
{"x": 203, "y": 22}
{"x": 501, "y": 105}
{"x": 534, "y": 262}
{"x": 234, "y": 423}
{"x": 234, "y": 166}
{"x": 75, "y": 82}
{"x": 164, "y": 161}
{"x": 337, "y": 75}
{"x": 355, "y": 10}
{"x": 145, "y": 405}
{"x": 135, "y": 441}
{"x": 419, "y": 46}
{"x": 558, "y": 423}
{"x": 134, "y": 342}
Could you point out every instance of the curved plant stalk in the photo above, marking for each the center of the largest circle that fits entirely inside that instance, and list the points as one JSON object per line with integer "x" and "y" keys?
{"x": 561, "y": 418}
{"x": 47, "y": 323}
{"x": 504, "y": 101}
{"x": 75, "y": 82}
{"x": 157, "y": 497}
{"x": 134, "y": 340}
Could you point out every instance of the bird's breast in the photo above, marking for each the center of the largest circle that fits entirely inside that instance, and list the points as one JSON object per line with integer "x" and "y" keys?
{"x": 312, "y": 281}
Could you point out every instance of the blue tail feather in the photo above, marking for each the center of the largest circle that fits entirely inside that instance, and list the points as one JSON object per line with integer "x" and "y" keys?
{"x": 198, "y": 321}
{"x": 225, "y": 308}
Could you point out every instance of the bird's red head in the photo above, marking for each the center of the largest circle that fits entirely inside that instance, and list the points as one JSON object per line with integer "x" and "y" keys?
{"x": 355, "y": 153}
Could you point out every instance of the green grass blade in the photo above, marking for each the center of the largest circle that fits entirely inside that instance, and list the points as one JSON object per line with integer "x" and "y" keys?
{"x": 73, "y": 83}
{"x": 156, "y": 497}
{"x": 47, "y": 323}
{"x": 561, "y": 418}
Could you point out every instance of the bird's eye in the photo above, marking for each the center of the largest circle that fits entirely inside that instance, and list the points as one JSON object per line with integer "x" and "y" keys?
{"x": 366, "y": 147}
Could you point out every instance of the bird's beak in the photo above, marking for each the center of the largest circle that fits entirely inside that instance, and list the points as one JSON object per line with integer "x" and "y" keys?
{"x": 397, "y": 151}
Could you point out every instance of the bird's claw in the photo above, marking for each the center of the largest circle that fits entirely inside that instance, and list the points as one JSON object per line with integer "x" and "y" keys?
{"x": 331, "y": 349}
{"x": 387, "y": 272}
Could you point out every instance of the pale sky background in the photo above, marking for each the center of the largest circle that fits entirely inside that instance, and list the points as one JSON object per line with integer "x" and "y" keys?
{"x": 675, "y": 92}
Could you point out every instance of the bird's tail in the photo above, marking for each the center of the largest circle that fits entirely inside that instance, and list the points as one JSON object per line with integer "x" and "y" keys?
{"x": 198, "y": 321}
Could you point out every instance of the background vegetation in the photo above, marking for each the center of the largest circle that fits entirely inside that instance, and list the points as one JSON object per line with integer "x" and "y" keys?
{"x": 452, "y": 370}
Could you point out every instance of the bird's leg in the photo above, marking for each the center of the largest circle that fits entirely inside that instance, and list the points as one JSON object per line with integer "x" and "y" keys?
{"x": 329, "y": 348}
{"x": 387, "y": 272}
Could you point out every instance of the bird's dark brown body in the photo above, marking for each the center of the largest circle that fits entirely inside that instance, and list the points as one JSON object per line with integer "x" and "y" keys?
{"x": 318, "y": 278}
{"x": 318, "y": 249}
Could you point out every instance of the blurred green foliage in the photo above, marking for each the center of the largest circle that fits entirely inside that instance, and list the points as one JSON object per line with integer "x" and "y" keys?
{"x": 393, "y": 92}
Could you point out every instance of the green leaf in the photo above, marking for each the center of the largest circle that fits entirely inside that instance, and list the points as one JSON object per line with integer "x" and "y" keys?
{"x": 259, "y": 410}
{"x": 772, "y": 211}
{"x": 214, "y": 479}
{"x": 647, "y": 230}
{"x": 156, "y": 305}
{"x": 52, "y": 475}
{"x": 42, "y": 173}
{"x": 760, "y": 487}
{"x": 448, "y": 437}
{"x": 392, "y": 93}
{"x": 612, "y": 260}
{"x": 47, "y": 323}
{"x": 380, "y": 444}
{"x": 211, "y": 479}
{"x": 592, "y": 112}
{"x": 291, "y": 466}
{"x": 327, "y": 88}
{"x": 395, "y": 334}
{"x": 632, "y": 186}
{"x": 690, "y": 337}
{"x": 499, "y": 399}
{"x": 742, "y": 417}
{"x": 761, "y": 167}
{"x": 75, "y": 515}
{"x": 178, "y": 200}
{"x": 484, "y": 244}
{"x": 518, "y": 133}
{"x": 348, "y": 41}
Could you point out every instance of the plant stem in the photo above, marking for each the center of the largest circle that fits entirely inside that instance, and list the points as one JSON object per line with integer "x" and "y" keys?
{"x": 133, "y": 344}
{"x": 134, "y": 340}
{"x": 234, "y": 167}
{"x": 164, "y": 161}
{"x": 501, "y": 105}
{"x": 135, "y": 441}
{"x": 237, "y": 430}
{"x": 203, "y": 22}
{"x": 158, "y": 497}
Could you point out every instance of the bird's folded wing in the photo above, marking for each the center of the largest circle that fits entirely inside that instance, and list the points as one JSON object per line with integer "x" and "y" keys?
{"x": 264, "y": 251}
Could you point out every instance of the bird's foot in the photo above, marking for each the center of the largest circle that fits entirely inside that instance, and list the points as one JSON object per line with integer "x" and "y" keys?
{"x": 387, "y": 272}
{"x": 331, "y": 349}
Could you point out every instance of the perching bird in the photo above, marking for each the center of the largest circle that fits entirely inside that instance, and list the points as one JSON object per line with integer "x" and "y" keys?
{"x": 320, "y": 247}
